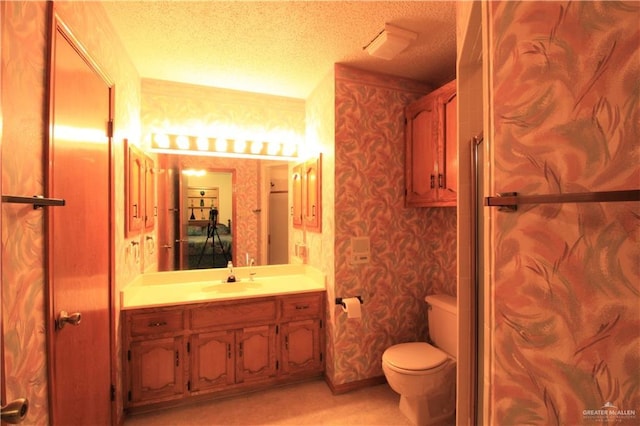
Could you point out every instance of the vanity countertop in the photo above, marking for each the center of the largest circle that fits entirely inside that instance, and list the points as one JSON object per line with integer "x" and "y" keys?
{"x": 157, "y": 289}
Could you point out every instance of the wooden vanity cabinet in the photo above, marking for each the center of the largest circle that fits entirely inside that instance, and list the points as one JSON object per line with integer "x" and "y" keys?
{"x": 218, "y": 348}
{"x": 306, "y": 211}
{"x": 150, "y": 206}
{"x": 140, "y": 199}
{"x": 155, "y": 356}
{"x": 224, "y": 358}
{"x": 244, "y": 336}
{"x": 432, "y": 150}
{"x": 158, "y": 363}
{"x": 302, "y": 334}
{"x": 212, "y": 360}
{"x": 256, "y": 354}
{"x": 134, "y": 190}
{"x": 312, "y": 205}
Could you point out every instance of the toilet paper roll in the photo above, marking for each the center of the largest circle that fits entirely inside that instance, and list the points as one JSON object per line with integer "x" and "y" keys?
{"x": 352, "y": 307}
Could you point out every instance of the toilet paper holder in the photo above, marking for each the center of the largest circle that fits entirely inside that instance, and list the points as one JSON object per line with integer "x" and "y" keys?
{"x": 340, "y": 302}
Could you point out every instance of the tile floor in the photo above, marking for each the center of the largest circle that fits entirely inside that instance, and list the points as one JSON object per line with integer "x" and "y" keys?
{"x": 309, "y": 403}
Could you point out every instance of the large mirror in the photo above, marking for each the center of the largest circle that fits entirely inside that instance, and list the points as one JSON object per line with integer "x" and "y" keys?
{"x": 215, "y": 210}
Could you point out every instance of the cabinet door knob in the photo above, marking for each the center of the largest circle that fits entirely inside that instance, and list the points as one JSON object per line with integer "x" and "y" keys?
{"x": 433, "y": 181}
{"x": 440, "y": 181}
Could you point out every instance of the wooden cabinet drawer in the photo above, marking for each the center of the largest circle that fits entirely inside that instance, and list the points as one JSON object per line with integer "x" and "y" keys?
{"x": 306, "y": 306}
{"x": 158, "y": 322}
{"x": 240, "y": 314}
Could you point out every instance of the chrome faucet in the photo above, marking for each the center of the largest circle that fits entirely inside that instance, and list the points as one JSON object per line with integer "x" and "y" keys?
{"x": 252, "y": 273}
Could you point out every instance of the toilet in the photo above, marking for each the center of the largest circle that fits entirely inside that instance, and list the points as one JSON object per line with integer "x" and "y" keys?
{"x": 425, "y": 374}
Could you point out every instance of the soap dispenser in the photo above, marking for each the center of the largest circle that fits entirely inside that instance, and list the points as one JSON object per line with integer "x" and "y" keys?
{"x": 231, "y": 278}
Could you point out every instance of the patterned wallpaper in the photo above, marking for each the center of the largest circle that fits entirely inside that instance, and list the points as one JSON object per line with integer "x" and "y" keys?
{"x": 566, "y": 111}
{"x": 24, "y": 53}
{"x": 413, "y": 250}
{"x": 566, "y": 291}
{"x": 320, "y": 132}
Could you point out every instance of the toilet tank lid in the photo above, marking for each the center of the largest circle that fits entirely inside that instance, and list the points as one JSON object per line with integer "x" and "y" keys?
{"x": 443, "y": 301}
{"x": 414, "y": 356}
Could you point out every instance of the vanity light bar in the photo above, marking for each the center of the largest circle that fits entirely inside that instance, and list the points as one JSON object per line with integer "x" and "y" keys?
{"x": 192, "y": 145}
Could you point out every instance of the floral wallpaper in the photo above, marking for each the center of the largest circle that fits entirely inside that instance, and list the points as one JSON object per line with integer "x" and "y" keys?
{"x": 566, "y": 289}
{"x": 24, "y": 74}
{"x": 413, "y": 250}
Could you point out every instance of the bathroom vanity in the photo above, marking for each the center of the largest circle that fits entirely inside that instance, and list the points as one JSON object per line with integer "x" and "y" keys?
{"x": 220, "y": 338}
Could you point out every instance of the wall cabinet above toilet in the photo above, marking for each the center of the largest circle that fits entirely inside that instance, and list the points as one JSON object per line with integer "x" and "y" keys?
{"x": 431, "y": 161}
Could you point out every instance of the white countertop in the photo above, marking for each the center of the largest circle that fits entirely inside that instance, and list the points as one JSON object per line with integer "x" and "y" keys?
{"x": 158, "y": 289}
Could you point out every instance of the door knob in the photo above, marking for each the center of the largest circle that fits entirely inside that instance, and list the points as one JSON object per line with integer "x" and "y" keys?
{"x": 64, "y": 318}
{"x": 15, "y": 411}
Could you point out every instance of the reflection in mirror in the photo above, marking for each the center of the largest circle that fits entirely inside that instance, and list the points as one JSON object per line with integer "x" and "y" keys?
{"x": 248, "y": 196}
{"x": 206, "y": 218}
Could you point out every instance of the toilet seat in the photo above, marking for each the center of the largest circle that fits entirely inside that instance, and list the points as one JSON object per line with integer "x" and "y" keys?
{"x": 414, "y": 357}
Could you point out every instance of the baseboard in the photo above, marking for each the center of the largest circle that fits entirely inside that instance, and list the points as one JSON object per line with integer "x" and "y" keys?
{"x": 337, "y": 389}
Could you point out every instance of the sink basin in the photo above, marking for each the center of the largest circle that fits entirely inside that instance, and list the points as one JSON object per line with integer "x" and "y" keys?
{"x": 184, "y": 287}
{"x": 238, "y": 286}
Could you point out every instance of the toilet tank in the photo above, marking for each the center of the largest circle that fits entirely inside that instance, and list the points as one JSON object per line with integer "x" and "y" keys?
{"x": 442, "y": 316}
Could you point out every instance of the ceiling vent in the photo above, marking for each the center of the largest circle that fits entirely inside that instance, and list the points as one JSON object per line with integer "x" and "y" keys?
{"x": 390, "y": 42}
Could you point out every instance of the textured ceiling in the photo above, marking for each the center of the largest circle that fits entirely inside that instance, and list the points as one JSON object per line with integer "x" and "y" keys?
{"x": 280, "y": 47}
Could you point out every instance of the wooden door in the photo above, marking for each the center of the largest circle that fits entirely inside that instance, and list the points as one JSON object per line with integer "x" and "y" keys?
{"x": 79, "y": 237}
{"x": 212, "y": 360}
{"x": 134, "y": 190}
{"x": 301, "y": 346}
{"x": 256, "y": 353}
{"x": 422, "y": 159}
{"x": 312, "y": 184}
{"x": 448, "y": 146}
{"x": 157, "y": 370}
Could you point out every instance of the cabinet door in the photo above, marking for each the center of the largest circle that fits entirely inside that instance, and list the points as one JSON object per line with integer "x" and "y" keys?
{"x": 448, "y": 146}
{"x": 421, "y": 153}
{"x": 312, "y": 194}
{"x": 156, "y": 370}
{"x": 301, "y": 346}
{"x": 151, "y": 209}
{"x": 134, "y": 190}
{"x": 256, "y": 353}
{"x": 431, "y": 149}
{"x": 212, "y": 360}
{"x": 296, "y": 207}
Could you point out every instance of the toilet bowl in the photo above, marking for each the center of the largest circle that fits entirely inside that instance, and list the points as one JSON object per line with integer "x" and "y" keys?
{"x": 425, "y": 378}
{"x": 425, "y": 375}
